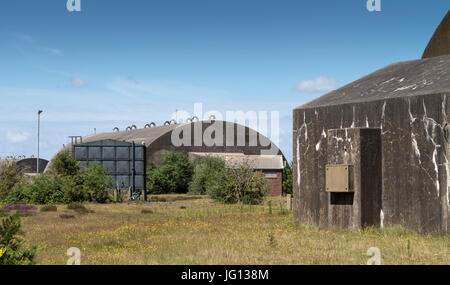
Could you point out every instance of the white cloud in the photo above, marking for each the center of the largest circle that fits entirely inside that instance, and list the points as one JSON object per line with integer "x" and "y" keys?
{"x": 78, "y": 82}
{"x": 319, "y": 84}
{"x": 17, "y": 137}
{"x": 52, "y": 50}
{"x": 23, "y": 37}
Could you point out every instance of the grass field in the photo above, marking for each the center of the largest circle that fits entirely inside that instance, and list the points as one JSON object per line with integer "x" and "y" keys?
{"x": 200, "y": 232}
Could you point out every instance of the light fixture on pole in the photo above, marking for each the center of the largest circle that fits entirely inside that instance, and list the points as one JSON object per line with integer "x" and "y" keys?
{"x": 38, "y": 134}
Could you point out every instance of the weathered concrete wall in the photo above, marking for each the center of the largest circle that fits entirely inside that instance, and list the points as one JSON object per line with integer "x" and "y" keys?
{"x": 415, "y": 166}
{"x": 361, "y": 150}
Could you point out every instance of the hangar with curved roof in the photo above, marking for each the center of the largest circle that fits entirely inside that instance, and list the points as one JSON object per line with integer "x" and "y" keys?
{"x": 194, "y": 138}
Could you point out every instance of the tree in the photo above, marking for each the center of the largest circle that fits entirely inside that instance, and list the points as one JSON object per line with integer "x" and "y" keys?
{"x": 173, "y": 176}
{"x": 96, "y": 183}
{"x": 64, "y": 164}
{"x": 229, "y": 183}
{"x": 205, "y": 172}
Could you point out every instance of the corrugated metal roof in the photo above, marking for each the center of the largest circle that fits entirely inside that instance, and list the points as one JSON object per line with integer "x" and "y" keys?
{"x": 145, "y": 135}
{"x": 409, "y": 78}
{"x": 256, "y": 161}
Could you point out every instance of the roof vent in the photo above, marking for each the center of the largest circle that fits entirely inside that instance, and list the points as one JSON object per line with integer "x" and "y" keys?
{"x": 149, "y": 125}
{"x": 189, "y": 120}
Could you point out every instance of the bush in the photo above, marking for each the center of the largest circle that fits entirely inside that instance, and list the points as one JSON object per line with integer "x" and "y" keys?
{"x": 49, "y": 208}
{"x": 287, "y": 179}
{"x": 79, "y": 208}
{"x": 92, "y": 185}
{"x": 96, "y": 183}
{"x": 238, "y": 183}
{"x": 205, "y": 170}
{"x": 10, "y": 177}
{"x": 11, "y": 245}
{"x": 173, "y": 176}
{"x": 73, "y": 189}
{"x": 64, "y": 164}
{"x": 45, "y": 189}
{"x": 232, "y": 183}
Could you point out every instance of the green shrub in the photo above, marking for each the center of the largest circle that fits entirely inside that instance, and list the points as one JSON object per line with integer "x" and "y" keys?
{"x": 205, "y": 170}
{"x": 238, "y": 183}
{"x": 49, "y": 208}
{"x": 10, "y": 177}
{"x": 73, "y": 188}
{"x": 146, "y": 211}
{"x": 96, "y": 183}
{"x": 11, "y": 245}
{"x": 45, "y": 189}
{"x": 287, "y": 179}
{"x": 64, "y": 184}
{"x": 173, "y": 176}
{"x": 64, "y": 164}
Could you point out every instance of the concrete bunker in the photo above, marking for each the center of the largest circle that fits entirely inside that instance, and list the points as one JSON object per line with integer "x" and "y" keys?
{"x": 390, "y": 130}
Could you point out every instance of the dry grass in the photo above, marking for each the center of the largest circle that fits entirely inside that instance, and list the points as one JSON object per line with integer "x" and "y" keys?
{"x": 216, "y": 234}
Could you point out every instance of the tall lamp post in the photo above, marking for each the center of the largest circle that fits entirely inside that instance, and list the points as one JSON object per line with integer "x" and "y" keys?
{"x": 39, "y": 129}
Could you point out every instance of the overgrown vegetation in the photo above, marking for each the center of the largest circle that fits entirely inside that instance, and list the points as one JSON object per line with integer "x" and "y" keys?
{"x": 11, "y": 245}
{"x": 65, "y": 183}
{"x": 214, "y": 233}
{"x": 10, "y": 177}
{"x": 205, "y": 171}
{"x": 172, "y": 177}
{"x": 228, "y": 183}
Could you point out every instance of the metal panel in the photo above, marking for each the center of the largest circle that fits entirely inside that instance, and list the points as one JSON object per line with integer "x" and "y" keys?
{"x": 95, "y": 153}
{"x": 109, "y": 153}
{"x": 139, "y": 167}
{"x": 337, "y": 178}
{"x": 140, "y": 181}
{"x": 123, "y": 181}
{"x": 110, "y": 165}
{"x": 123, "y": 153}
{"x": 123, "y": 167}
{"x": 138, "y": 153}
{"x": 80, "y": 153}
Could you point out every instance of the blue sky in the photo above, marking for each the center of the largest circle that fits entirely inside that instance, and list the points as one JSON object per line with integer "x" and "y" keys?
{"x": 121, "y": 62}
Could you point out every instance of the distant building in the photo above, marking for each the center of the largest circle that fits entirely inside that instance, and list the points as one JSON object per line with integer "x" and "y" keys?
{"x": 200, "y": 137}
{"x": 28, "y": 164}
{"x": 376, "y": 151}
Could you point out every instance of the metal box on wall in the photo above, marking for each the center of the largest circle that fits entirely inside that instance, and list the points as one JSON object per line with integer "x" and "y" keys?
{"x": 338, "y": 178}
